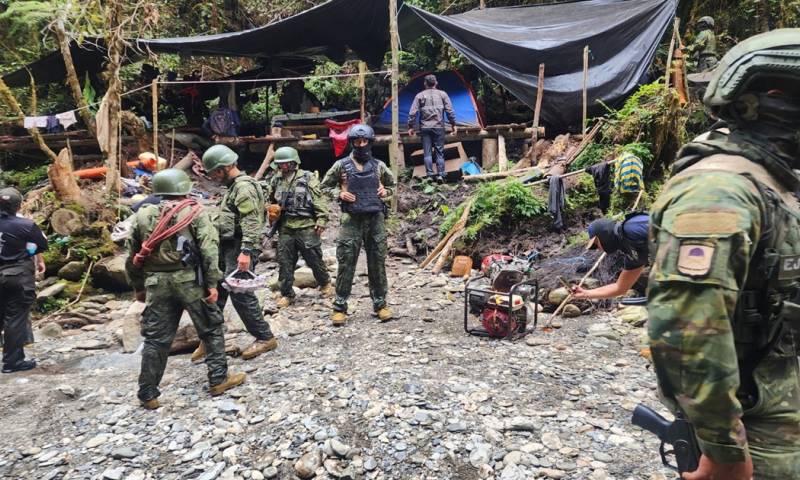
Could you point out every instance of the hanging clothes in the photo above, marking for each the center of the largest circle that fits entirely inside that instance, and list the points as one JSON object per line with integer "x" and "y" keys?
{"x": 338, "y": 131}
{"x": 67, "y": 119}
{"x": 630, "y": 176}
{"x": 35, "y": 122}
{"x": 601, "y": 173}
{"x": 556, "y": 201}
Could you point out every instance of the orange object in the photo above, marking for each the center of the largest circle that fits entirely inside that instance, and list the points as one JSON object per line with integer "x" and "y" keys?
{"x": 462, "y": 265}
{"x": 274, "y": 213}
{"x": 150, "y": 164}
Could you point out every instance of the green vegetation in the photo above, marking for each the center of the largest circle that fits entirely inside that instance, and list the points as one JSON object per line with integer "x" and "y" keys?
{"x": 26, "y": 179}
{"x": 497, "y": 203}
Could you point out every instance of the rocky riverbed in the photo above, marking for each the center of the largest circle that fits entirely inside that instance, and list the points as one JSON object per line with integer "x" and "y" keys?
{"x": 413, "y": 398}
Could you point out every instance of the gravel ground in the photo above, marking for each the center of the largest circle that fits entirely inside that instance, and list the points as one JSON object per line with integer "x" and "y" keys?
{"x": 413, "y": 398}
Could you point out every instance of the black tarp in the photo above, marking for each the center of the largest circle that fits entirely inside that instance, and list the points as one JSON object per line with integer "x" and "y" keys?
{"x": 509, "y": 43}
{"x": 333, "y": 29}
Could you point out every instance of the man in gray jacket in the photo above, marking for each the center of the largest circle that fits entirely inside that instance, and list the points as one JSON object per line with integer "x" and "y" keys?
{"x": 431, "y": 104}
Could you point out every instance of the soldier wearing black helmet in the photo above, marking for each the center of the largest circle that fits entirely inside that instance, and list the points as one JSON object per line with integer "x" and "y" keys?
{"x": 20, "y": 239}
{"x": 723, "y": 307}
{"x": 364, "y": 185}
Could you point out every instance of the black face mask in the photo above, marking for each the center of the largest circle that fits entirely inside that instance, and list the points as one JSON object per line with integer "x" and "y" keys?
{"x": 362, "y": 154}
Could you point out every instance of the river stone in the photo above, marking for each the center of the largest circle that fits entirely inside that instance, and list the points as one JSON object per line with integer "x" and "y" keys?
{"x": 571, "y": 311}
{"x": 72, "y": 271}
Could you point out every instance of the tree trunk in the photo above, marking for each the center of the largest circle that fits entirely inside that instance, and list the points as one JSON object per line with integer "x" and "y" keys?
{"x": 72, "y": 78}
{"x": 13, "y": 104}
{"x": 62, "y": 179}
{"x": 115, "y": 47}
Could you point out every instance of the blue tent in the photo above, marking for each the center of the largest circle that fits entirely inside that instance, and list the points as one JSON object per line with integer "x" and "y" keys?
{"x": 460, "y": 92}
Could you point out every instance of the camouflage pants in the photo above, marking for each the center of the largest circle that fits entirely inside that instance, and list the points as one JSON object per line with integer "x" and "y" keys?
{"x": 168, "y": 295}
{"x": 246, "y": 304}
{"x": 292, "y": 243}
{"x": 773, "y": 423}
{"x": 369, "y": 230}
{"x": 706, "y": 62}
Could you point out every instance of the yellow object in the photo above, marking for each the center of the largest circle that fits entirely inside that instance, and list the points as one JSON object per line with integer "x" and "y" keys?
{"x": 327, "y": 291}
{"x": 258, "y": 347}
{"x": 338, "y": 319}
{"x": 284, "y": 302}
{"x": 462, "y": 265}
{"x": 273, "y": 213}
{"x": 199, "y": 354}
{"x": 233, "y": 380}
{"x": 151, "y": 404}
{"x": 384, "y": 314}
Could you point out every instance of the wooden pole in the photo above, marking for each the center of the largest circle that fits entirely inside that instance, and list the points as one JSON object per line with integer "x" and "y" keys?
{"x": 393, "y": 154}
{"x": 585, "y": 86}
{"x": 154, "y": 94}
{"x": 483, "y": 4}
{"x": 502, "y": 157}
{"x": 265, "y": 163}
{"x": 362, "y": 84}
{"x": 536, "y": 112}
{"x": 675, "y": 27}
{"x": 172, "y": 149}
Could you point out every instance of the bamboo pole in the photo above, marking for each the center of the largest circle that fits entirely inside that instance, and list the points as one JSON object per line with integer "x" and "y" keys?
{"x": 585, "y": 86}
{"x": 536, "y": 112}
{"x": 154, "y": 94}
{"x": 362, "y": 84}
{"x": 393, "y": 153}
{"x": 676, "y": 24}
{"x": 502, "y": 156}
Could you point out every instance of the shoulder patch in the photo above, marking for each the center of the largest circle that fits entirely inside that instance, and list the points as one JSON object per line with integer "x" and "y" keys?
{"x": 706, "y": 223}
{"x": 694, "y": 259}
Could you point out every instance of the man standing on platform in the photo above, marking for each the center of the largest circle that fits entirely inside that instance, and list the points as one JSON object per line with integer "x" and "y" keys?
{"x": 431, "y": 105}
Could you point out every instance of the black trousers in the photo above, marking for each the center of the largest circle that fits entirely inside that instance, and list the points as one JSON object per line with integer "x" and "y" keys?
{"x": 17, "y": 294}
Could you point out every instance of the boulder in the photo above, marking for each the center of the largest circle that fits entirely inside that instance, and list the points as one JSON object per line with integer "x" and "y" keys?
{"x": 186, "y": 339}
{"x": 557, "y": 295}
{"x": 304, "y": 278}
{"x": 72, "y": 271}
{"x": 51, "y": 330}
{"x": 633, "y": 315}
{"x": 51, "y": 292}
{"x": 109, "y": 274}
{"x": 571, "y": 311}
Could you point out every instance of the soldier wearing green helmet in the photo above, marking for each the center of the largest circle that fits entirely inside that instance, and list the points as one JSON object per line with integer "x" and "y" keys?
{"x": 240, "y": 224}
{"x": 724, "y": 286}
{"x": 704, "y": 48}
{"x": 301, "y": 214}
{"x": 169, "y": 285}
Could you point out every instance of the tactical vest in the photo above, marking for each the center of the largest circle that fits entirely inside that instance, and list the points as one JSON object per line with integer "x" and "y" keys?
{"x": 364, "y": 185}
{"x": 295, "y": 198}
{"x": 228, "y": 217}
{"x": 767, "y": 310}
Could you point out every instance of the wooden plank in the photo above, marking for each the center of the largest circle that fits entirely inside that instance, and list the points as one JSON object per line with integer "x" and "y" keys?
{"x": 489, "y": 153}
{"x": 154, "y": 94}
{"x": 675, "y": 25}
{"x": 536, "y": 112}
{"x": 585, "y": 86}
{"x": 362, "y": 72}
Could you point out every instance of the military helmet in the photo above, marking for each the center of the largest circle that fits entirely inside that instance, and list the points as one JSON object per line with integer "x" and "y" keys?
{"x": 218, "y": 156}
{"x": 708, "y": 21}
{"x": 286, "y": 155}
{"x": 361, "y": 131}
{"x": 172, "y": 181}
{"x": 10, "y": 200}
{"x": 772, "y": 57}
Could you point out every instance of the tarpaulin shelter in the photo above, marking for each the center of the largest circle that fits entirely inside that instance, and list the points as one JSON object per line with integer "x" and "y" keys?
{"x": 337, "y": 30}
{"x": 457, "y": 88}
{"x": 509, "y": 43}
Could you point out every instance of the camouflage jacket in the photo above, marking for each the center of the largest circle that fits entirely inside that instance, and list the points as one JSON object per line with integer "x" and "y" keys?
{"x": 706, "y": 233}
{"x": 167, "y": 257}
{"x": 242, "y": 213}
{"x": 705, "y": 44}
{"x": 278, "y": 185}
{"x": 336, "y": 177}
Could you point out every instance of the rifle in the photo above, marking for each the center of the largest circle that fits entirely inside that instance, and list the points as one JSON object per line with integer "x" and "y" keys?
{"x": 191, "y": 258}
{"x": 679, "y": 434}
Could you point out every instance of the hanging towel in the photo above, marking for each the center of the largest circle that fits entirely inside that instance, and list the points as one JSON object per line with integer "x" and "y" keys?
{"x": 35, "y": 122}
{"x": 67, "y": 119}
{"x": 629, "y": 178}
{"x": 556, "y": 201}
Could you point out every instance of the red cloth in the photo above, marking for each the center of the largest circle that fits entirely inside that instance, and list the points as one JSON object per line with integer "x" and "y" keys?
{"x": 338, "y": 132}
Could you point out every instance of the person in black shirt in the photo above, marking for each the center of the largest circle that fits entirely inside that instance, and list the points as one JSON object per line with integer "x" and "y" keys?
{"x": 628, "y": 237}
{"x": 20, "y": 239}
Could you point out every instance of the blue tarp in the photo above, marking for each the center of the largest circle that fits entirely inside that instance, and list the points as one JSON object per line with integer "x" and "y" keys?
{"x": 467, "y": 114}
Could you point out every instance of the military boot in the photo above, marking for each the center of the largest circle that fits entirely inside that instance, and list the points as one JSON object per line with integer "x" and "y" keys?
{"x": 199, "y": 353}
{"x": 384, "y": 314}
{"x": 327, "y": 291}
{"x": 233, "y": 380}
{"x": 338, "y": 319}
{"x": 284, "y": 302}
{"x": 258, "y": 347}
{"x": 151, "y": 404}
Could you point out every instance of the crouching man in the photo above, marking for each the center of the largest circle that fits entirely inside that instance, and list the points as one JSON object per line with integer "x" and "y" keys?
{"x": 173, "y": 266}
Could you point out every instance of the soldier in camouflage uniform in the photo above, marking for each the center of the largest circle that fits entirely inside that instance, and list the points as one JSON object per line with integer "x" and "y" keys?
{"x": 240, "y": 225}
{"x": 303, "y": 217}
{"x": 704, "y": 47}
{"x": 363, "y": 185}
{"x": 724, "y": 283}
{"x": 169, "y": 286}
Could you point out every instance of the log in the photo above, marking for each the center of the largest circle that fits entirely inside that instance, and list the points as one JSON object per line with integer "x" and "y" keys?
{"x": 536, "y": 112}
{"x": 460, "y": 224}
{"x": 62, "y": 179}
{"x": 489, "y": 153}
{"x": 585, "y": 87}
{"x": 265, "y": 163}
{"x": 187, "y": 161}
{"x": 502, "y": 157}
{"x": 495, "y": 175}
